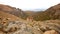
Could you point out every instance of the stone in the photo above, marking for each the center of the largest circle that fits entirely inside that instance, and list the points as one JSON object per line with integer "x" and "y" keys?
{"x": 51, "y": 32}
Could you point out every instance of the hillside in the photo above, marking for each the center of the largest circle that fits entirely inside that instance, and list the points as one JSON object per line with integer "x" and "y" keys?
{"x": 12, "y": 10}
{"x": 4, "y": 15}
{"x": 51, "y": 13}
{"x": 54, "y": 11}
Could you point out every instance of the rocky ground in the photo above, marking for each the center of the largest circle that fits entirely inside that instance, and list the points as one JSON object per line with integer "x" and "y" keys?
{"x": 40, "y": 27}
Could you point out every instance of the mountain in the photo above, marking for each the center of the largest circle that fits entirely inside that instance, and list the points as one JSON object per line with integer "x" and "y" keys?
{"x": 28, "y": 12}
{"x": 12, "y": 10}
{"x": 51, "y": 13}
{"x": 36, "y": 9}
{"x": 54, "y": 12}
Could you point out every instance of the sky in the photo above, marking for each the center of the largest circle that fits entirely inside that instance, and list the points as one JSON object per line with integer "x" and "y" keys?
{"x": 30, "y": 4}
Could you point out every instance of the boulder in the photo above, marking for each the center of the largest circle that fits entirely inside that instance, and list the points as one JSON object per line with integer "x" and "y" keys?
{"x": 51, "y": 32}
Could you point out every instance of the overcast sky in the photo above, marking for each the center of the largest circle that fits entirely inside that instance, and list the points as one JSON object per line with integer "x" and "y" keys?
{"x": 30, "y": 4}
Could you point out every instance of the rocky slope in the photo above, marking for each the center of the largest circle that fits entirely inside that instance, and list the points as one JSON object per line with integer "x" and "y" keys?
{"x": 7, "y": 16}
{"x": 54, "y": 11}
{"x": 12, "y": 10}
{"x": 51, "y": 13}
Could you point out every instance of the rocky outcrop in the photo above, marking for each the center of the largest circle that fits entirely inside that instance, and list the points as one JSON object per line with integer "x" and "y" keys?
{"x": 51, "y": 32}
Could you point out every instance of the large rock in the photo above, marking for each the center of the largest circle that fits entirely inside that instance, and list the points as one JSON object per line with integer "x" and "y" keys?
{"x": 51, "y": 32}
